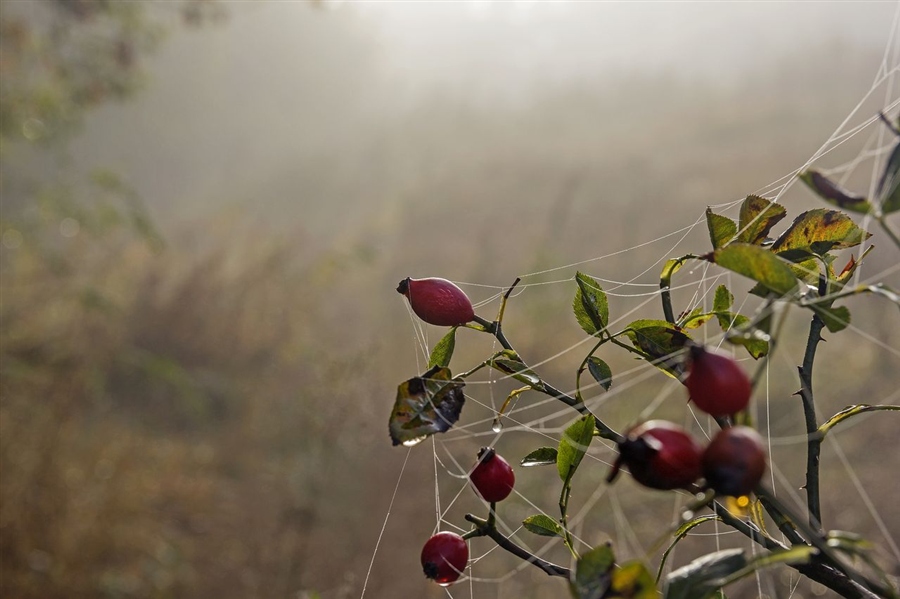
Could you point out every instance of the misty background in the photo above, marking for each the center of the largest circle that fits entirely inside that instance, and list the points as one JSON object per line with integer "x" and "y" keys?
{"x": 195, "y": 399}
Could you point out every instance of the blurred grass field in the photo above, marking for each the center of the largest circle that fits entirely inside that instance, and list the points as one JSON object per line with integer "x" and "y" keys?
{"x": 207, "y": 416}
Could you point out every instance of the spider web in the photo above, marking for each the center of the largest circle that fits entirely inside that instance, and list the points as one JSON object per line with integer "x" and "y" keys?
{"x": 636, "y": 521}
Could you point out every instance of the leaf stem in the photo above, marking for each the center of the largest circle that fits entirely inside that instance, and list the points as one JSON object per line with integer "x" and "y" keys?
{"x": 564, "y": 515}
{"x": 488, "y": 528}
{"x": 495, "y": 328}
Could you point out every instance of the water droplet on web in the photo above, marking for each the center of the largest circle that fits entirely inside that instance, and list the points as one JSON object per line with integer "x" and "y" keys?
{"x": 687, "y": 515}
{"x": 497, "y": 426}
{"x": 416, "y": 441}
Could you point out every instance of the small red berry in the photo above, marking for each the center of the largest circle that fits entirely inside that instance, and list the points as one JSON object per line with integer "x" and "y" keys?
{"x": 734, "y": 461}
{"x": 659, "y": 455}
{"x": 437, "y": 301}
{"x": 716, "y": 382}
{"x": 493, "y": 478}
{"x": 444, "y": 557}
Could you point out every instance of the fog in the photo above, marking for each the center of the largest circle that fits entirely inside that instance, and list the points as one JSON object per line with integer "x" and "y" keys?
{"x": 284, "y": 103}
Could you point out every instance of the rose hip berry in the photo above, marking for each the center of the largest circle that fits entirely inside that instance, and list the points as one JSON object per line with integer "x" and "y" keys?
{"x": 444, "y": 557}
{"x": 716, "y": 382}
{"x": 437, "y": 301}
{"x": 734, "y": 461}
{"x": 493, "y": 478}
{"x": 659, "y": 455}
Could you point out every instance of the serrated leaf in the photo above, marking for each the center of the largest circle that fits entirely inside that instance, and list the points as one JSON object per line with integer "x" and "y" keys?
{"x": 443, "y": 351}
{"x": 632, "y": 581}
{"x": 700, "y": 578}
{"x": 574, "y": 443}
{"x": 662, "y": 341}
{"x": 695, "y": 319}
{"x": 723, "y": 299}
{"x": 889, "y": 184}
{"x": 591, "y": 578}
{"x": 836, "y": 319}
{"x": 600, "y": 371}
{"x": 799, "y": 554}
{"x": 852, "y": 411}
{"x": 834, "y": 194}
{"x": 758, "y": 264}
{"x": 757, "y": 516}
{"x": 590, "y": 305}
{"x": 542, "y": 456}
{"x": 679, "y": 534}
{"x": 540, "y": 524}
{"x": 758, "y": 216}
{"x": 426, "y": 405}
{"x": 721, "y": 228}
{"x": 819, "y": 231}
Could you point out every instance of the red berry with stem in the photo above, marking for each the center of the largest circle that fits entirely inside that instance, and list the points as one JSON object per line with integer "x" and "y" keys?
{"x": 444, "y": 557}
{"x": 493, "y": 478}
{"x": 659, "y": 455}
{"x": 734, "y": 461}
{"x": 716, "y": 382}
{"x": 437, "y": 301}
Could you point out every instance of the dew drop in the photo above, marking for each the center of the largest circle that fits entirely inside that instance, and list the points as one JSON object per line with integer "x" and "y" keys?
{"x": 497, "y": 426}
{"x": 687, "y": 515}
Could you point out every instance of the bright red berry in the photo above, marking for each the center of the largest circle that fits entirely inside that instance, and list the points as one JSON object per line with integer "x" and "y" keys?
{"x": 734, "y": 461}
{"x": 659, "y": 455}
{"x": 437, "y": 301}
{"x": 493, "y": 478}
{"x": 716, "y": 382}
{"x": 444, "y": 557}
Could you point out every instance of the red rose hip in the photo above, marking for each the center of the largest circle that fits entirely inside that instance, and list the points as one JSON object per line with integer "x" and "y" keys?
{"x": 659, "y": 455}
{"x": 734, "y": 461}
{"x": 716, "y": 382}
{"x": 492, "y": 478}
{"x": 437, "y": 301}
{"x": 444, "y": 557}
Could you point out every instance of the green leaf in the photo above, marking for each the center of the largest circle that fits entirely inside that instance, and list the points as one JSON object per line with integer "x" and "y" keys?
{"x": 758, "y": 216}
{"x": 889, "y": 184}
{"x": 836, "y": 319}
{"x": 851, "y": 411}
{"x": 818, "y": 231}
{"x": 758, "y": 264}
{"x": 513, "y": 366}
{"x": 721, "y": 228}
{"x": 592, "y": 575}
{"x": 600, "y": 371}
{"x": 696, "y": 319}
{"x": 800, "y": 554}
{"x": 542, "y": 525}
{"x": 632, "y": 581}
{"x": 426, "y": 405}
{"x": 679, "y": 534}
{"x": 662, "y": 341}
{"x": 736, "y": 326}
{"x": 574, "y": 443}
{"x": 443, "y": 351}
{"x": 700, "y": 579}
{"x": 590, "y": 305}
{"x": 834, "y": 194}
{"x": 723, "y": 299}
{"x": 542, "y": 456}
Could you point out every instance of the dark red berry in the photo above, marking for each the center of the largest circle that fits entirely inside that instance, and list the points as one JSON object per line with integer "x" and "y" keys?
{"x": 493, "y": 478}
{"x": 734, "y": 461}
{"x": 716, "y": 382}
{"x": 437, "y": 301}
{"x": 659, "y": 455}
{"x": 444, "y": 557}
